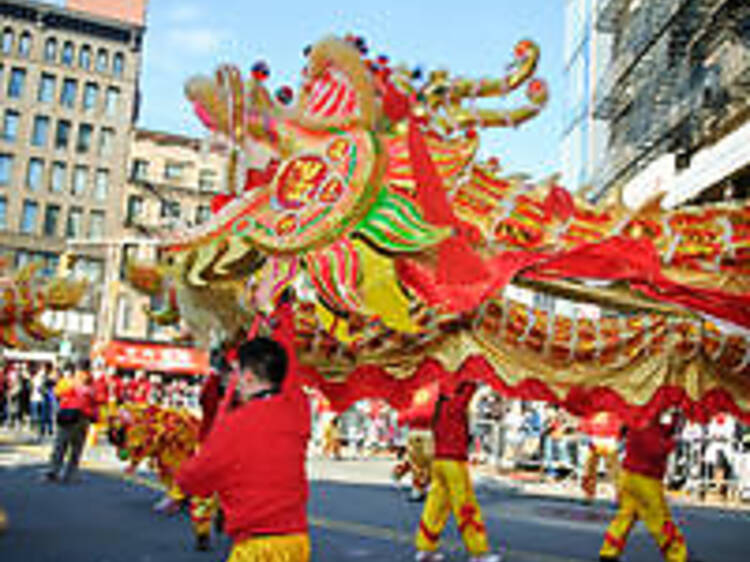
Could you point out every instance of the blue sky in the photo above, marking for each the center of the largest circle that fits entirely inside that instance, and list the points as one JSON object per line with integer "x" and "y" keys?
{"x": 473, "y": 38}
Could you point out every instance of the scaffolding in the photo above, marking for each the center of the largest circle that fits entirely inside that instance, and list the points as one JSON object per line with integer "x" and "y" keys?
{"x": 654, "y": 93}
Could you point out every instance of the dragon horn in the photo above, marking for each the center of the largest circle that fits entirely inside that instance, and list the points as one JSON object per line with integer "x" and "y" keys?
{"x": 465, "y": 118}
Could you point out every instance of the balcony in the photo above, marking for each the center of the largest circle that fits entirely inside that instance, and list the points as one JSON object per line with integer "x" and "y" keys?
{"x": 642, "y": 34}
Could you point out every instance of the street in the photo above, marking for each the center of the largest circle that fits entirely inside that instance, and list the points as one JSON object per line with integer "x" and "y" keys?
{"x": 355, "y": 514}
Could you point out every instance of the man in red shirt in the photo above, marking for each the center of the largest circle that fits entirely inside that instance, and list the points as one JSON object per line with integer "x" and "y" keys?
{"x": 451, "y": 483}
{"x": 641, "y": 492}
{"x": 262, "y": 484}
{"x": 77, "y": 408}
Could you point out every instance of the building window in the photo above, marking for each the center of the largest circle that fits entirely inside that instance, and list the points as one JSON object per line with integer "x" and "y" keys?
{"x": 10, "y": 125}
{"x": 134, "y": 210}
{"x": 28, "y": 217}
{"x": 35, "y": 174}
{"x": 50, "y": 49}
{"x": 112, "y": 102}
{"x": 7, "y": 40}
{"x": 41, "y": 130}
{"x": 170, "y": 209}
{"x": 129, "y": 254}
{"x": 51, "y": 218}
{"x": 140, "y": 170}
{"x": 46, "y": 88}
{"x": 106, "y": 141}
{"x": 84, "y": 57}
{"x": 202, "y": 214}
{"x": 6, "y": 169}
{"x": 118, "y": 65}
{"x": 68, "y": 93}
{"x": 62, "y": 134}
{"x": 90, "y": 93}
{"x": 124, "y": 314}
{"x": 24, "y": 44}
{"x": 173, "y": 170}
{"x": 102, "y": 60}
{"x": 101, "y": 185}
{"x": 16, "y": 83}
{"x": 73, "y": 225}
{"x": 3, "y": 213}
{"x": 85, "y": 131}
{"x": 96, "y": 224}
{"x": 207, "y": 180}
{"x": 80, "y": 179}
{"x": 57, "y": 179}
{"x": 67, "y": 54}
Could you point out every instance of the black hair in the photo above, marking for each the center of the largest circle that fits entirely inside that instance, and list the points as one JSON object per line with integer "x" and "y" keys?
{"x": 84, "y": 364}
{"x": 266, "y": 358}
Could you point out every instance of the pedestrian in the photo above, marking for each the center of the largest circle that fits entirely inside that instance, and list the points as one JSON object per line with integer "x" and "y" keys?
{"x": 37, "y": 398}
{"x": 76, "y": 411}
{"x": 451, "y": 486}
{"x": 46, "y": 425}
{"x": 4, "y": 385}
{"x": 641, "y": 492}
{"x": 262, "y": 485}
{"x": 16, "y": 399}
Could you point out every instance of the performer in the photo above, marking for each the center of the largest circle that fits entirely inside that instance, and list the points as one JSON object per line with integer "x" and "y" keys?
{"x": 641, "y": 492}
{"x": 451, "y": 484}
{"x": 262, "y": 485}
{"x": 603, "y": 429}
{"x": 417, "y": 460}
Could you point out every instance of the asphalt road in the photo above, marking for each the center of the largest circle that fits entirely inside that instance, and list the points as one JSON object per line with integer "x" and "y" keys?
{"x": 355, "y": 515}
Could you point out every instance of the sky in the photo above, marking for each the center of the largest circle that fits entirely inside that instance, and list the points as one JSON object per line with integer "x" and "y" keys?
{"x": 474, "y": 38}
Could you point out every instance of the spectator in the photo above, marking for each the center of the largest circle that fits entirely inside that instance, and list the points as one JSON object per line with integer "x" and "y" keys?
{"x": 37, "y": 397}
{"x": 77, "y": 409}
{"x": 46, "y": 426}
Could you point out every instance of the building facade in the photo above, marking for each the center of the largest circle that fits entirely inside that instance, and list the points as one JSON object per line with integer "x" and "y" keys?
{"x": 68, "y": 101}
{"x": 586, "y": 53}
{"x": 676, "y": 96}
{"x": 172, "y": 180}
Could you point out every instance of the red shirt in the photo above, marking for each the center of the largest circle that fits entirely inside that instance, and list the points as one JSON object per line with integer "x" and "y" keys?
{"x": 139, "y": 391}
{"x": 451, "y": 423}
{"x": 647, "y": 449}
{"x": 254, "y": 458}
{"x": 101, "y": 390}
{"x": 78, "y": 397}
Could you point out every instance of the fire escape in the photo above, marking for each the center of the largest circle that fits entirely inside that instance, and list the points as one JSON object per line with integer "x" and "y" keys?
{"x": 661, "y": 85}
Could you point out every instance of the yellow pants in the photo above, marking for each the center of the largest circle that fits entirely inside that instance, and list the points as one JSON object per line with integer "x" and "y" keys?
{"x": 642, "y": 498}
{"x": 451, "y": 489}
{"x": 590, "y": 469}
{"x": 281, "y": 548}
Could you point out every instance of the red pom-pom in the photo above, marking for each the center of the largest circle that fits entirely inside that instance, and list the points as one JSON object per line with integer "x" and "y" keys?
{"x": 260, "y": 71}
{"x": 471, "y": 133}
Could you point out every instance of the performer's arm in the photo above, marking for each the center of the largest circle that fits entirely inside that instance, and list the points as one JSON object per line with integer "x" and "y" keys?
{"x": 466, "y": 392}
{"x": 284, "y": 333}
{"x": 200, "y": 474}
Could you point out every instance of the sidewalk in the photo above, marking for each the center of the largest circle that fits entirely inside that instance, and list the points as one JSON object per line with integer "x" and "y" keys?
{"x": 534, "y": 484}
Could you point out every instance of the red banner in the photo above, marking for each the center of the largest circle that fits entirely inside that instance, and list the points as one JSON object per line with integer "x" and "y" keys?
{"x": 155, "y": 357}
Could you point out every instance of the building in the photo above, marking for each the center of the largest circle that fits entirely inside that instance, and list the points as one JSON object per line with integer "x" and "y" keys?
{"x": 676, "y": 97}
{"x": 586, "y": 56}
{"x": 172, "y": 180}
{"x": 68, "y": 101}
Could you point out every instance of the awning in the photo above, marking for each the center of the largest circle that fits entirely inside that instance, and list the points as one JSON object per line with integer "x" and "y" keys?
{"x": 155, "y": 357}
